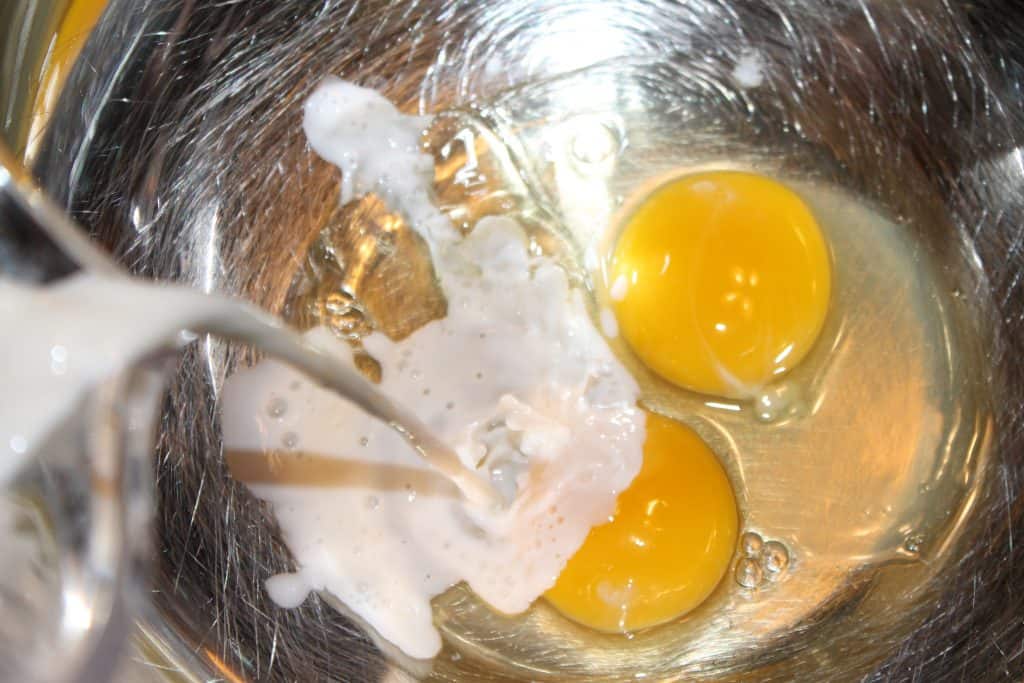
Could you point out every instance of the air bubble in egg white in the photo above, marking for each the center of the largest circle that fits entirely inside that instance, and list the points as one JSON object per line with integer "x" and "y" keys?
{"x": 776, "y": 403}
{"x": 749, "y": 573}
{"x": 593, "y": 142}
{"x": 372, "y": 502}
{"x": 752, "y": 544}
{"x": 913, "y": 544}
{"x": 343, "y": 316}
{"x": 290, "y": 440}
{"x": 775, "y": 557}
{"x": 277, "y": 407}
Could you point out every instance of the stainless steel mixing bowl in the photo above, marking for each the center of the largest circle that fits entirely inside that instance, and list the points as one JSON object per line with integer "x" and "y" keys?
{"x": 177, "y": 142}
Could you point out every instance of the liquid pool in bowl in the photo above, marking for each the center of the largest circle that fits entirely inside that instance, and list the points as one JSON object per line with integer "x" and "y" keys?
{"x": 876, "y": 400}
{"x": 194, "y": 195}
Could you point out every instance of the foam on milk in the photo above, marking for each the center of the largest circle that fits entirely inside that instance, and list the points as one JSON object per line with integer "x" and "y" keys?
{"x": 516, "y": 379}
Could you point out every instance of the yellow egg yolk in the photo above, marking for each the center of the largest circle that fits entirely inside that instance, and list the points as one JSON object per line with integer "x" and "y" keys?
{"x": 74, "y": 28}
{"x": 720, "y": 281}
{"x": 666, "y": 547}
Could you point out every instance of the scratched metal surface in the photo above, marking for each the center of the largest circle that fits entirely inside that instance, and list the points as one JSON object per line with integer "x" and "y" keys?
{"x": 178, "y": 143}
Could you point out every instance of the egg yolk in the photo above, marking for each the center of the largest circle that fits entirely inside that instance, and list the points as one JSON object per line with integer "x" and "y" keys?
{"x": 78, "y": 21}
{"x": 666, "y": 547}
{"x": 720, "y": 281}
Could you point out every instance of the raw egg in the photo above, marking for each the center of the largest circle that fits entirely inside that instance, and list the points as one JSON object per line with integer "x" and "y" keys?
{"x": 667, "y": 545}
{"x": 66, "y": 43}
{"x": 720, "y": 281}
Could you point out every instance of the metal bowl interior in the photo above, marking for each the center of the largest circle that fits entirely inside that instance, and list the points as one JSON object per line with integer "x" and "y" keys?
{"x": 178, "y": 142}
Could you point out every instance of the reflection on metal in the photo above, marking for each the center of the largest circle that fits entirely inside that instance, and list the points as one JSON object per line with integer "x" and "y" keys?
{"x": 28, "y": 26}
{"x": 901, "y": 554}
